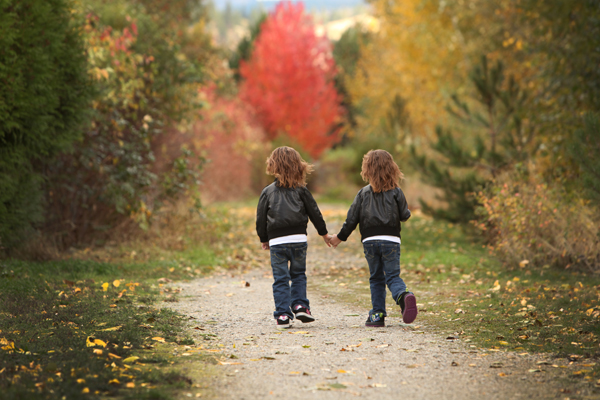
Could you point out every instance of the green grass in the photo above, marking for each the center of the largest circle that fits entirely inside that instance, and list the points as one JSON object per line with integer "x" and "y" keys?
{"x": 52, "y": 311}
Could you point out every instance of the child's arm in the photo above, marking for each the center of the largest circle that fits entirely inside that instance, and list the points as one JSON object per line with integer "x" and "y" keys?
{"x": 402, "y": 206}
{"x": 261, "y": 220}
{"x": 312, "y": 209}
{"x": 351, "y": 219}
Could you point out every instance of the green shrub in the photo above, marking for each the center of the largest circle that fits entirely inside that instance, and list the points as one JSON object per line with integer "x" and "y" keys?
{"x": 44, "y": 92}
{"x": 146, "y": 85}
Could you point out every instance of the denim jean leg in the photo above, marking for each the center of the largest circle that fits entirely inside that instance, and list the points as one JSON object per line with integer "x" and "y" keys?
{"x": 298, "y": 274}
{"x": 391, "y": 265}
{"x": 281, "y": 281}
{"x": 376, "y": 279}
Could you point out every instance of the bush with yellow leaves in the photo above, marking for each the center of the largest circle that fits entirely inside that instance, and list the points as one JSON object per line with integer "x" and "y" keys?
{"x": 528, "y": 221}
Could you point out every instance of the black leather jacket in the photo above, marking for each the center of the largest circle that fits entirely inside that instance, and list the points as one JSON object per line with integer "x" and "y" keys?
{"x": 285, "y": 211}
{"x": 377, "y": 213}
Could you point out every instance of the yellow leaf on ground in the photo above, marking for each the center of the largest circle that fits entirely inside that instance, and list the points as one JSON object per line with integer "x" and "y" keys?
{"x": 159, "y": 339}
{"x": 89, "y": 342}
{"x": 131, "y": 359}
{"x": 97, "y": 351}
{"x": 114, "y": 382}
{"x": 114, "y": 328}
{"x": 341, "y": 371}
{"x": 130, "y": 385}
{"x": 100, "y": 342}
{"x": 85, "y": 390}
{"x": 111, "y": 355}
{"x": 80, "y": 380}
{"x": 105, "y": 286}
{"x": 117, "y": 283}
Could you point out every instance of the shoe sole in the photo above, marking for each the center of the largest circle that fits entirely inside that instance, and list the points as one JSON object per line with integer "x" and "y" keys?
{"x": 304, "y": 317}
{"x": 284, "y": 326}
{"x": 410, "y": 309}
{"x": 375, "y": 325}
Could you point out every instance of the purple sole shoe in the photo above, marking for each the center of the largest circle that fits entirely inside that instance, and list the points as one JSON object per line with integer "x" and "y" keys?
{"x": 410, "y": 308}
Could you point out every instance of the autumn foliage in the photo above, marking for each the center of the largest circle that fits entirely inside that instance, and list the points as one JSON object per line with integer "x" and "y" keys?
{"x": 289, "y": 80}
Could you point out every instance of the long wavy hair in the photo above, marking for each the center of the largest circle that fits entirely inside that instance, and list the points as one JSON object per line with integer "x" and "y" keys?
{"x": 380, "y": 170}
{"x": 287, "y": 165}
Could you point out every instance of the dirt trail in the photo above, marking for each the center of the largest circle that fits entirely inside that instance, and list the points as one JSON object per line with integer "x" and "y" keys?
{"x": 337, "y": 356}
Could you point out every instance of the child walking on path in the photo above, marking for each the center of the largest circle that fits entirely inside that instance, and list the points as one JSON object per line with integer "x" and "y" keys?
{"x": 282, "y": 216}
{"x": 379, "y": 208}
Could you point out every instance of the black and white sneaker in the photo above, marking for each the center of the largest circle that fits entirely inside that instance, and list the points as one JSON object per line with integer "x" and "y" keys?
{"x": 376, "y": 319}
{"x": 303, "y": 313}
{"x": 283, "y": 322}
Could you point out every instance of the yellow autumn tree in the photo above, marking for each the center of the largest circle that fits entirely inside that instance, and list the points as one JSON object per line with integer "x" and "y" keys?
{"x": 418, "y": 53}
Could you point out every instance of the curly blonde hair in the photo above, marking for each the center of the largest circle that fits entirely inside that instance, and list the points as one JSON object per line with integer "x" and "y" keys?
{"x": 380, "y": 170}
{"x": 287, "y": 165}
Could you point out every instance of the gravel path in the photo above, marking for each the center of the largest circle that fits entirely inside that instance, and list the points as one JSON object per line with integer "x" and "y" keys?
{"x": 337, "y": 356}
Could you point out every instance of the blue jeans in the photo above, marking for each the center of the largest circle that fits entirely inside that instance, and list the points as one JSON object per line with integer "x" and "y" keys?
{"x": 286, "y": 296}
{"x": 383, "y": 258}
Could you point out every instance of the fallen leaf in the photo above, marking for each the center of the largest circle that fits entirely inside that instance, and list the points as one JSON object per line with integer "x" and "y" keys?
{"x": 114, "y": 328}
{"x": 523, "y": 263}
{"x": 130, "y": 360}
{"x": 116, "y": 283}
{"x": 105, "y": 286}
{"x": 337, "y": 386}
{"x": 229, "y": 294}
{"x": 80, "y": 380}
{"x": 97, "y": 351}
{"x": 130, "y": 385}
{"x": 114, "y": 382}
{"x": 159, "y": 339}
{"x": 341, "y": 371}
{"x": 111, "y": 355}
{"x": 85, "y": 390}
{"x": 501, "y": 374}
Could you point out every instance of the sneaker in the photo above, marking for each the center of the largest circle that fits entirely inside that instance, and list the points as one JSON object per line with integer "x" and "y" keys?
{"x": 303, "y": 313}
{"x": 408, "y": 305}
{"x": 283, "y": 322}
{"x": 376, "y": 319}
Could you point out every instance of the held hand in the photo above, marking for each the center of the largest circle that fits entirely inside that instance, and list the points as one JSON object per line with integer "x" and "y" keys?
{"x": 265, "y": 246}
{"x": 335, "y": 241}
{"x": 327, "y": 238}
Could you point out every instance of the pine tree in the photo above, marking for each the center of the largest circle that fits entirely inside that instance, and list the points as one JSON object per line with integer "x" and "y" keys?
{"x": 244, "y": 48}
{"x": 501, "y": 139}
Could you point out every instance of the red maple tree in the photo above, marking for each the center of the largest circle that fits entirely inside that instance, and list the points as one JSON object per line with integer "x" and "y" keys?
{"x": 289, "y": 80}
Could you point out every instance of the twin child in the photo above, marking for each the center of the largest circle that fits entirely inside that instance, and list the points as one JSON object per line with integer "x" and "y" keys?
{"x": 282, "y": 216}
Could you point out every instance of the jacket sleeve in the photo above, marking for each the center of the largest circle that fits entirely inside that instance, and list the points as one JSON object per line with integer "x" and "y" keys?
{"x": 312, "y": 209}
{"x": 351, "y": 219}
{"x": 261, "y": 217}
{"x": 403, "y": 210}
